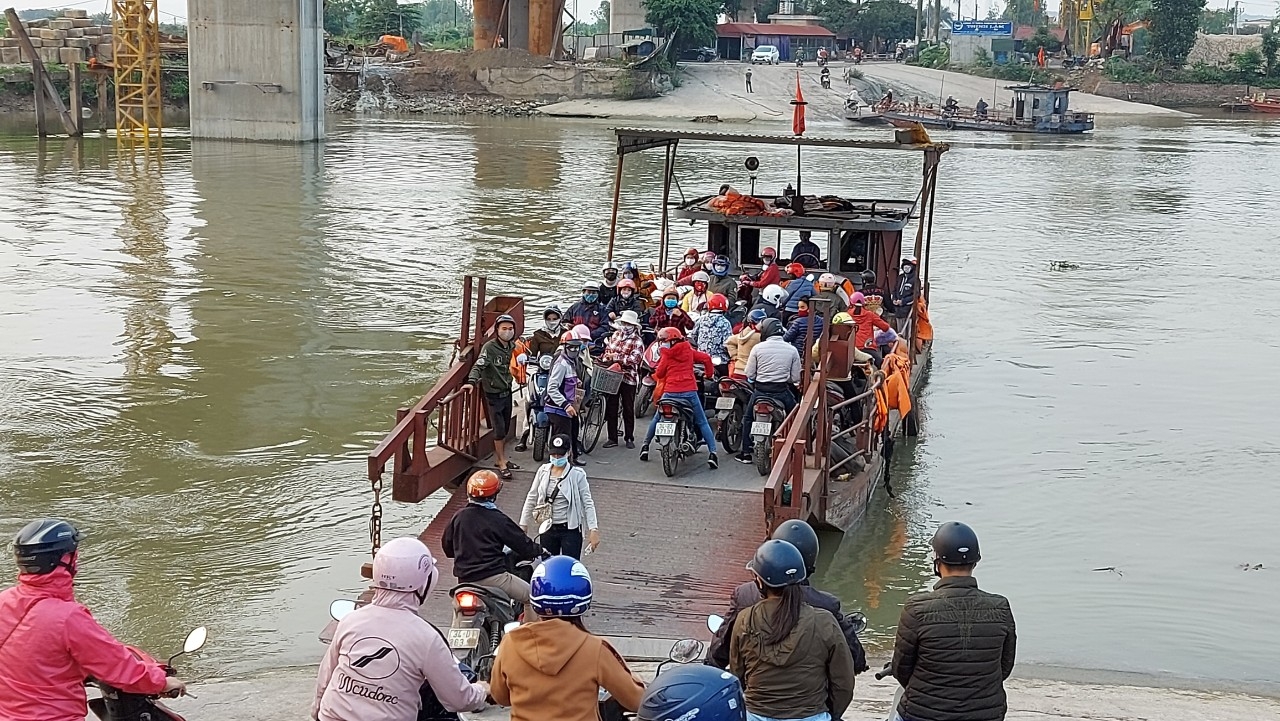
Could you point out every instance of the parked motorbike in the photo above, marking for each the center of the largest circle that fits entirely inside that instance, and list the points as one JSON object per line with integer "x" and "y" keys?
{"x": 768, "y": 415}
{"x": 677, "y": 432}
{"x": 644, "y": 392}
{"x": 480, "y": 618}
{"x": 117, "y": 705}
{"x": 535, "y": 393}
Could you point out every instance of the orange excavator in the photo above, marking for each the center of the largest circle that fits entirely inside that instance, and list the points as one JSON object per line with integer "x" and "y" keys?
{"x": 1117, "y": 40}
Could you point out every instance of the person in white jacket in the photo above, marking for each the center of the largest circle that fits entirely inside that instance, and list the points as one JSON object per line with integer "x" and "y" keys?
{"x": 384, "y": 652}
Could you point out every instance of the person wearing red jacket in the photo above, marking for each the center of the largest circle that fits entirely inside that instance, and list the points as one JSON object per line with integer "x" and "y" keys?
{"x": 675, "y": 373}
{"x": 49, "y": 643}
{"x": 669, "y": 314}
{"x": 867, "y": 322}
{"x": 769, "y": 273}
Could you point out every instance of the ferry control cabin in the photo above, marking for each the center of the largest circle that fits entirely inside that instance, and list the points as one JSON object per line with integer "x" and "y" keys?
{"x": 1040, "y": 105}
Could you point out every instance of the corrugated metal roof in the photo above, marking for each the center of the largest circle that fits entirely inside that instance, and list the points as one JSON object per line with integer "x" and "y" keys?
{"x": 636, "y": 139}
{"x": 739, "y": 29}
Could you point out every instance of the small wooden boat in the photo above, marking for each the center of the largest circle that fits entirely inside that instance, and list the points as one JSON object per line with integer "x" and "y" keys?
{"x": 1261, "y": 103}
{"x": 1035, "y": 109}
{"x": 858, "y": 111}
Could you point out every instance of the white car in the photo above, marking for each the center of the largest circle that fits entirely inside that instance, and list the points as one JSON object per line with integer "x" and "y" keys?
{"x": 767, "y": 54}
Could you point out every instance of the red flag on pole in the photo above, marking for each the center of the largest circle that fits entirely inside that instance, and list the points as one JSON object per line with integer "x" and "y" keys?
{"x": 797, "y": 113}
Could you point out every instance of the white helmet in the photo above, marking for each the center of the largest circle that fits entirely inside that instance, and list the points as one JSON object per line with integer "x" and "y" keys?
{"x": 405, "y": 565}
{"x": 700, "y": 276}
{"x": 773, "y": 294}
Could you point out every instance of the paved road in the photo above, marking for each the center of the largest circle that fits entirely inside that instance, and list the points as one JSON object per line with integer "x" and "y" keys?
{"x": 719, "y": 89}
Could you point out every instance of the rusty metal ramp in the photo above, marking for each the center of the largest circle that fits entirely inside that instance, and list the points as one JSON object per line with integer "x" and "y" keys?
{"x": 671, "y": 551}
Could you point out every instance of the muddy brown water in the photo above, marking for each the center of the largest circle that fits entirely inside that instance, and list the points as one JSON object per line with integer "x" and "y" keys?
{"x": 195, "y": 358}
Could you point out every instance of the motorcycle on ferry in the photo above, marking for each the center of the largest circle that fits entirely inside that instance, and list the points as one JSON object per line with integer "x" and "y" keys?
{"x": 731, "y": 410}
{"x": 677, "y": 433}
{"x": 644, "y": 392}
{"x": 481, "y": 615}
{"x": 768, "y": 415}
{"x": 682, "y": 652}
{"x": 535, "y": 393}
{"x": 117, "y": 705}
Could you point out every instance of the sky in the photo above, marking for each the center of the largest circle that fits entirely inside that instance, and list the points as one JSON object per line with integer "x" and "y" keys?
{"x": 176, "y": 10}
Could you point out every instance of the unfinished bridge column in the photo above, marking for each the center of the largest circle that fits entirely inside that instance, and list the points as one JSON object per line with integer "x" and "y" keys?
{"x": 256, "y": 69}
{"x": 485, "y": 15}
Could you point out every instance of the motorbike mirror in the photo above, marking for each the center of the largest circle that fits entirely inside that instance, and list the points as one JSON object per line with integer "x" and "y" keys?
{"x": 858, "y": 620}
{"x": 544, "y": 527}
{"x": 340, "y": 608}
{"x": 714, "y": 623}
{"x": 510, "y": 627}
{"x": 686, "y": 651}
{"x": 195, "y": 640}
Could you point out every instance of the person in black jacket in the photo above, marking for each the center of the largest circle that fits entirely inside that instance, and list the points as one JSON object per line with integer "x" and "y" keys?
{"x": 903, "y": 298}
{"x": 802, "y": 536}
{"x": 956, "y": 643}
{"x": 477, "y": 535}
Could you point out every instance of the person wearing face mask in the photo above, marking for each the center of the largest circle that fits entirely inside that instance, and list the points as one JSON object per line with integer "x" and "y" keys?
{"x": 721, "y": 281}
{"x": 590, "y": 312}
{"x": 800, "y": 286}
{"x": 798, "y": 331}
{"x": 627, "y": 299}
{"x": 609, "y": 288}
{"x": 670, "y": 314}
{"x": 904, "y": 294}
{"x": 695, "y": 301}
{"x": 492, "y": 370}
{"x": 956, "y": 644}
{"x": 771, "y": 301}
{"x": 868, "y": 323}
{"x": 383, "y": 653}
{"x": 49, "y": 642}
{"x": 562, "y": 389}
{"x": 792, "y": 658}
{"x": 676, "y": 376}
{"x": 769, "y": 271}
{"x": 624, "y": 348}
{"x": 563, "y": 489}
{"x": 477, "y": 536}
{"x": 711, "y": 333}
{"x": 690, "y": 265}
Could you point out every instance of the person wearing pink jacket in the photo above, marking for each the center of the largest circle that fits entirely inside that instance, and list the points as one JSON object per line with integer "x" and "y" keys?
{"x": 49, "y": 643}
{"x": 383, "y": 653}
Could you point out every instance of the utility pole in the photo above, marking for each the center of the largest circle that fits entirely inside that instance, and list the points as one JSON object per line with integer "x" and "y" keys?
{"x": 937, "y": 22}
{"x": 1235, "y": 18}
{"x": 919, "y": 21}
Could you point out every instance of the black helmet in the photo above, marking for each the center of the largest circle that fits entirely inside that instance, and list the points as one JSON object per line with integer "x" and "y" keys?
{"x": 769, "y": 327}
{"x": 778, "y": 564}
{"x": 955, "y": 544}
{"x": 693, "y": 691}
{"x": 803, "y": 537}
{"x": 868, "y": 278}
{"x": 41, "y": 544}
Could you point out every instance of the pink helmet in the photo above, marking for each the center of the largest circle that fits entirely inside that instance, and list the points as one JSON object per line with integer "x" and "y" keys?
{"x": 581, "y": 332}
{"x": 858, "y": 299}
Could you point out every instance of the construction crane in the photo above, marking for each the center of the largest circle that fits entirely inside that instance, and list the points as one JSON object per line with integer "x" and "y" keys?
{"x": 135, "y": 30}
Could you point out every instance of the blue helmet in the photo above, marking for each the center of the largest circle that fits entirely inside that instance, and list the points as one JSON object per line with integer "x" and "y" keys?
{"x": 720, "y": 266}
{"x": 560, "y": 587}
{"x": 778, "y": 563}
{"x": 693, "y": 691}
{"x": 757, "y": 315}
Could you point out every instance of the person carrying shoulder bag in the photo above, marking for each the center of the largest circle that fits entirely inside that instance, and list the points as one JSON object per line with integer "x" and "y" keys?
{"x": 559, "y": 505}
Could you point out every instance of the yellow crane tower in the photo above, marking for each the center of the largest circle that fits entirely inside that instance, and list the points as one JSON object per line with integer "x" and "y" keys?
{"x": 1076, "y": 17}
{"x": 135, "y": 30}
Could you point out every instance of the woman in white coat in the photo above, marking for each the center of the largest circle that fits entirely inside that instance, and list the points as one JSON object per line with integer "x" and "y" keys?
{"x": 559, "y": 506}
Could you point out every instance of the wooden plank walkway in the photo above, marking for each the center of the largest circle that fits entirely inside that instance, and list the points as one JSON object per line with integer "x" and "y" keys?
{"x": 671, "y": 551}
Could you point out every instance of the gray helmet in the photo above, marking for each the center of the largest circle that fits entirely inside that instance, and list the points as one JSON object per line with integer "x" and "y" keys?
{"x": 41, "y": 544}
{"x": 778, "y": 564}
{"x": 955, "y": 544}
{"x": 769, "y": 327}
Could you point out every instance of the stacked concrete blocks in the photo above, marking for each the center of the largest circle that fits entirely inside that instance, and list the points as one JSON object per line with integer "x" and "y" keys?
{"x": 72, "y": 38}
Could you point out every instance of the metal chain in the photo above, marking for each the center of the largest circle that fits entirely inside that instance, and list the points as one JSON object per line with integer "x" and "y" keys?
{"x": 375, "y": 517}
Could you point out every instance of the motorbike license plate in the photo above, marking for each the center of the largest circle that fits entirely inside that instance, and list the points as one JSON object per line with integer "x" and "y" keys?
{"x": 725, "y": 403}
{"x": 464, "y": 637}
{"x": 762, "y": 428}
{"x": 665, "y": 429}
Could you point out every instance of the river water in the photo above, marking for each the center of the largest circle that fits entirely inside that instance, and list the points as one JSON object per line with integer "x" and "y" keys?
{"x": 196, "y": 356}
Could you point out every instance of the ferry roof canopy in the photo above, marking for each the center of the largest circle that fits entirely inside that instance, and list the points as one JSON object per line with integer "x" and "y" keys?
{"x": 634, "y": 140}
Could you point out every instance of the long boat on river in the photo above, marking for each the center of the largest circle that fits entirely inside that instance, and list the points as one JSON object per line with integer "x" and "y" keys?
{"x": 674, "y": 548}
{"x": 1035, "y": 109}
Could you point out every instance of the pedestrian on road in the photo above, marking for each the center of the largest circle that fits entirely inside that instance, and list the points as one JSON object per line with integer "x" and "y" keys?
{"x": 559, "y": 505}
{"x": 748, "y": 80}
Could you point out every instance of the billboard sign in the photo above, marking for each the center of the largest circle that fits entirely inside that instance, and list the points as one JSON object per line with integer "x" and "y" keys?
{"x": 982, "y": 27}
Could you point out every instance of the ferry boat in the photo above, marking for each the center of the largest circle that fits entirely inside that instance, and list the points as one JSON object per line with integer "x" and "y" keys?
{"x": 1035, "y": 109}
{"x": 673, "y": 548}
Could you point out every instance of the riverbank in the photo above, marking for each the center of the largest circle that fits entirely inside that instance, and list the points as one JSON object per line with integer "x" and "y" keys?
{"x": 288, "y": 694}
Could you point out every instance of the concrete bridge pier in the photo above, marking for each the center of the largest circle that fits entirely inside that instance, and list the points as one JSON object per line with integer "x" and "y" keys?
{"x": 256, "y": 69}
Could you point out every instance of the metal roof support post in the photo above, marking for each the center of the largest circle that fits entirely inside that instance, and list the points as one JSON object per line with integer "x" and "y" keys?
{"x": 663, "y": 240}
{"x": 617, "y": 194}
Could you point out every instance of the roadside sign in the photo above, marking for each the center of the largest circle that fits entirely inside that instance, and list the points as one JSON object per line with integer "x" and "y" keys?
{"x": 981, "y": 27}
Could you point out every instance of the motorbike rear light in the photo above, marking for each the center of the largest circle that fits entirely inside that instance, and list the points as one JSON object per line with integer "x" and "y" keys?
{"x": 667, "y": 410}
{"x": 763, "y": 408}
{"x": 468, "y": 603}
{"x": 726, "y": 386}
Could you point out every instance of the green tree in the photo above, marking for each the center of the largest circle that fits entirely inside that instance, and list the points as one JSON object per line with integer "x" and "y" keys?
{"x": 1216, "y": 22}
{"x": 1024, "y": 12}
{"x": 1270, "y": 49}
{"x": 881, "y": 20}
{"x": 1248, "y": 63}
{"x": 1173, "y": 29}
{"x": 686, "y": 23}
{"x": 444, "y": 13}
{"x": 386, "y": 17}
{"x": 597, "y": 24}
{"x": 1042, "y": 38}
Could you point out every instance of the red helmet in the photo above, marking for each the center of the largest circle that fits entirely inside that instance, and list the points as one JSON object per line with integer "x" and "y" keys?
{"x": 670, "y": 333}
{"x": 568, "y": 337}
{"x": 718, "y": 302}
{"x": 626, "y": 283}
{"x": 691, "y": 252}
{"x": 795, "y": 270}
{"x": 768, "y": 253}
{"x": 483, "y": 484}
